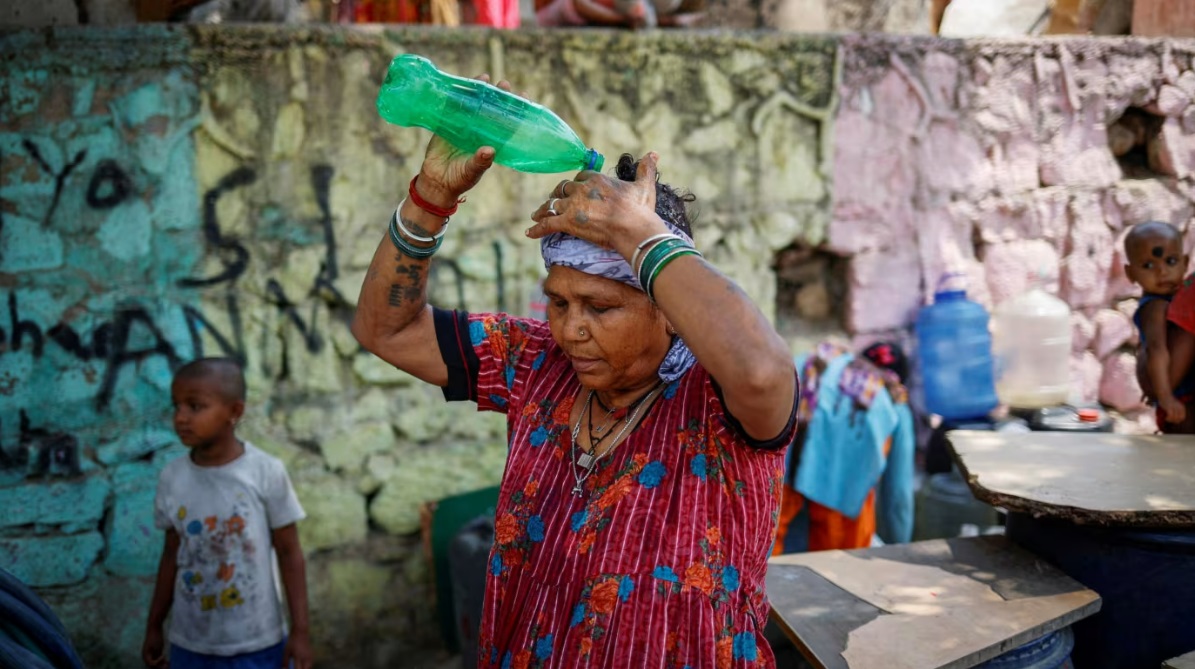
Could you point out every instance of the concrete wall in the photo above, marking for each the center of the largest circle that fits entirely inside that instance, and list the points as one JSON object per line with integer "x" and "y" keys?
{"x": 167, "y": 193}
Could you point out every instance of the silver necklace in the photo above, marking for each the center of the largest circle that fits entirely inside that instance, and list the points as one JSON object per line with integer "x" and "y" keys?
{"x": 587, "y": 461}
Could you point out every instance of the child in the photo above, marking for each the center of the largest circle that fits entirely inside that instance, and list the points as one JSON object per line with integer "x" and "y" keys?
{"x": 224, "y": 507}
{"x": 1156, "y": 262}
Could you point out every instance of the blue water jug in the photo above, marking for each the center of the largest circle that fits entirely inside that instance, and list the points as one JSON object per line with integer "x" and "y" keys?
{"x": 954, "y": 348}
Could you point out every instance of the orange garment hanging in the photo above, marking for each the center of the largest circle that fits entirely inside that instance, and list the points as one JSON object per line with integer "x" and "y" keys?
{"x": 828, "y": 529}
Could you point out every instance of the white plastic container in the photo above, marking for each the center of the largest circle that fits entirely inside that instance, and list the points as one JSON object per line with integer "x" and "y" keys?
{"x": 1031, "y": 344}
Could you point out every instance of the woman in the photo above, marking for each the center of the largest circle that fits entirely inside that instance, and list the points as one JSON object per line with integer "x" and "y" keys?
{"x": 647, "y": 423}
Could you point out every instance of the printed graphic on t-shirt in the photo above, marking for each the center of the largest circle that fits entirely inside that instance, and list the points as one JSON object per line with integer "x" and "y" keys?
{"x": 212, "y": 561}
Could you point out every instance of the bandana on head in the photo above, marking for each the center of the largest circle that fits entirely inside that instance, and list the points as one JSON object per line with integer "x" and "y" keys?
{"x": 565, "y": 250}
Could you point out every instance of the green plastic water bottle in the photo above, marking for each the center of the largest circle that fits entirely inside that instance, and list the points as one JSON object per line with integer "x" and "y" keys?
{"x": 470, "y": 114}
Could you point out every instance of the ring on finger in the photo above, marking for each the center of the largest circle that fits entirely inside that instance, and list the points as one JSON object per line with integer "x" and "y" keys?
{"x": 552, "y": 206}
{"x": 562, "y": 188}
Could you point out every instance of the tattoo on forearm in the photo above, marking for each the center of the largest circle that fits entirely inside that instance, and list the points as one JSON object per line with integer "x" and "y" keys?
{"x": 412, "y": 275}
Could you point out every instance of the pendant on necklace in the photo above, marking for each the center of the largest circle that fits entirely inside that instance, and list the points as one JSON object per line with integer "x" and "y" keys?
{"x": 577, "y": 492}
{"x": 586, "y": 460}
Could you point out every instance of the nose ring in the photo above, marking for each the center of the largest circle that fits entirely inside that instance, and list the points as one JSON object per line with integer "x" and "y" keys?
{"x": 581, "y": 331}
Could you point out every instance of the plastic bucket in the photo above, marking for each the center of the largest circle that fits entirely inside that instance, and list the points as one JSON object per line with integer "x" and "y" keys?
{"x": 1051, "y": 651}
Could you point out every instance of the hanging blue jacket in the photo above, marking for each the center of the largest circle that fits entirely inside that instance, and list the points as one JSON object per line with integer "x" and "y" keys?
{"x": 843, "y": 454}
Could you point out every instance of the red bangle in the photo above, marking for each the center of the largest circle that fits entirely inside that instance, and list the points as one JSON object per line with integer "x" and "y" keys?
{"x": 428, "y": 206}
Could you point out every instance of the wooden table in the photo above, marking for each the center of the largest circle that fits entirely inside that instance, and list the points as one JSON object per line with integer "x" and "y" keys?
{"x": 1114, "y": 512}
{"x": 1185, "y": 662}
{"x": 931, "y": 604}
{"x": 1086, "y": 478}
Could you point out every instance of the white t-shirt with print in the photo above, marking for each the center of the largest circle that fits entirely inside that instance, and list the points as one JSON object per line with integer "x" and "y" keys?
{"x": 225, "y": 596}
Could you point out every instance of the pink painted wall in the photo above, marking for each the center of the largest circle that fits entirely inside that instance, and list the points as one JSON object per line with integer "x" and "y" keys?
{"x": 992, "y": 158}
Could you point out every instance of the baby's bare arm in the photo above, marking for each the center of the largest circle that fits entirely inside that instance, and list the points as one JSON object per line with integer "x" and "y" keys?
{"x": 1153, "y": 328}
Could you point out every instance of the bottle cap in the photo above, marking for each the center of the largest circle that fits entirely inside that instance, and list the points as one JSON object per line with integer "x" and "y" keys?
{"x": 594, "y": 160}
{"x": 1088, "y": 415}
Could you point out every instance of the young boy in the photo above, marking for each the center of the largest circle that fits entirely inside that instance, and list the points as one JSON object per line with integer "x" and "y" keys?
{"x": 227, "y": 507}
{"x": 1157, "y": 264}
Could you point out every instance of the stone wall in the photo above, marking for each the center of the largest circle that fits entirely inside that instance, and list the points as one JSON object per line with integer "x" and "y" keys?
{"x": 167, "y": 193}
{"x": 171, "y": 193}
{"x": 1002, "y": 159}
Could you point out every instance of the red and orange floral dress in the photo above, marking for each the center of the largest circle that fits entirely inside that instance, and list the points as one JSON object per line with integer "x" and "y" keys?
{"x": 661, "y": 562}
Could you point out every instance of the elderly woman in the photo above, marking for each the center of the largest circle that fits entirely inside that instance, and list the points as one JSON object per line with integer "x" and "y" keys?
{"x": 647, "y": 422}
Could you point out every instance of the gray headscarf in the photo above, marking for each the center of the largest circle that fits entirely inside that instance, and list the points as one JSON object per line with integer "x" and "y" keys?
{"x": 567, "y": 251}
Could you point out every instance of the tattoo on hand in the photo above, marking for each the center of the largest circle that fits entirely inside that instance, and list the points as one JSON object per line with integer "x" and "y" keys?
{"x": 580, "y": 218}
{"x": 395, "y": 298}
{"x": 595, "y": 194}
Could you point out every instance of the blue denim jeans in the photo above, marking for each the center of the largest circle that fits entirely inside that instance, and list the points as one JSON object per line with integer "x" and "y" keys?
{"x": 266, "y": 658}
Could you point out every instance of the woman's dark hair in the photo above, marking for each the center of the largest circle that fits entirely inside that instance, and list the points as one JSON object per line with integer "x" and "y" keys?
{"x": 670, "y": 203}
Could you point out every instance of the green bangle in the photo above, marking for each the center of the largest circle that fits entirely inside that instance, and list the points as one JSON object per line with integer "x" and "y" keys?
{"x": 655, "y": 253}
{"x": 407, "y": 248}
{"x": 676, "y": 253}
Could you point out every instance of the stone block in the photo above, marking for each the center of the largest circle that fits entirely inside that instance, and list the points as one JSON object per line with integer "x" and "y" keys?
{"x": 1003, "y": 91}
{"x": 952, "y": 161}
{"x": 1089, "y": 263}
{"x": 374, "y": 371}
{"x": 28, "y": 246}
{"x": 134, "y": 544}
{"x": 1082, "y": 332}
{"x": 55, "y": 502}
{"x": 1135, "y": 201}
{"x": 885, "y": 289}
{"x": 944, "y": 243}
{"x": 136, "y": 444}
{"x": 1011, "y": 266}
{"x": 310, "y": 423}
{"x": 1113, "y": 330}
{"x": 871, "y": 208}
{"x": 431, "y": 474}
{"x": 352, "y": 592}
{"x": 1118, "y": 383}
{"x": 1172, "y": 100}
{"x": 1172, "y": 151}
{"x": 1086, "y": 372}
{"x": 347, "y": 450}
{"x": 1078, "y": 155}
{"x": 42, "y": 561}
{"x": 335, "y": 511}
{"x": 1015, "y": 165}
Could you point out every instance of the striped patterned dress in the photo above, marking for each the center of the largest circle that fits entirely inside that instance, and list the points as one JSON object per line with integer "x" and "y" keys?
{"x": 661, "y": 562}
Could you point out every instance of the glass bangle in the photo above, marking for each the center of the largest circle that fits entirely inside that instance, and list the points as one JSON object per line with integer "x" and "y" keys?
{"x": 406, "y": 247}
{"x": 687, "y": 251}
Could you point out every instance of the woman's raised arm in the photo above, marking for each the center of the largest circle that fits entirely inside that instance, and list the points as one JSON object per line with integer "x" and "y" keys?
{"x": 393, "y": 319}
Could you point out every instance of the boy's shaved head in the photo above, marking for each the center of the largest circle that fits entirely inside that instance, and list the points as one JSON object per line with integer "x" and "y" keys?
{"x": 225, "y": 372}
{"x": 1143, "y": 237}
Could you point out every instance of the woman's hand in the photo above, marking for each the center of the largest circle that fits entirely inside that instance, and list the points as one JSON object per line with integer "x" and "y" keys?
{"x": 605, "y": 211}
{"x": 447, "y": 172}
